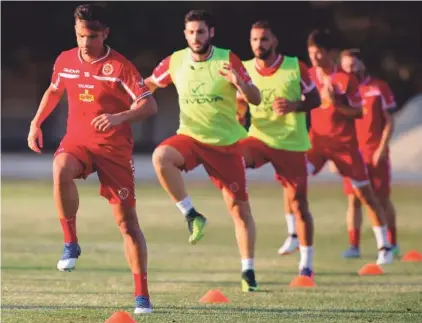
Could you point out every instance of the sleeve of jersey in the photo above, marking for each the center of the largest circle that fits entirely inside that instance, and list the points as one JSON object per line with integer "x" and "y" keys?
{"x": 306, "y": 83}
{"x": 133, "y": 83}
{"x": 237, "y": 65}
{"x": 352, "y": 93}
{"x": 387, "y": 97}
{"x": 56, "y": 80}
{"x": 161, "y": 74}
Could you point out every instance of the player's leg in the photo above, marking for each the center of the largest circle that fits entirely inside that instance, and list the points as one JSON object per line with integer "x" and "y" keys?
{"x": 173, "y": 155}
{"x": 70, "y": 162}
{"x": 315, "y": 161}
{"x": 291, "y": 244}
{"x": 381, "y": 182}
{"x": 116, "y": 173}
{"x": 353, "y": 220}
{"x": 291, "y": 172}
{"x": 350, "y": 164}
{"x": 227, "y": 170}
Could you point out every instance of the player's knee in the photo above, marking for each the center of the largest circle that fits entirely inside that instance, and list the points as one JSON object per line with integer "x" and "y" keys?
{"x": 65, "y": 168}
{"x": 166, "y": 155}
{"x": 127, "y": 225}
{"x": 300, "y": 207}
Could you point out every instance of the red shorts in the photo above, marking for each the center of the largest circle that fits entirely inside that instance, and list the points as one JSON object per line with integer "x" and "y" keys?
{"x": 347, "y": 159}
{"x": 289, "y": 166}
{"x": 379, "y": 176}
{"x": 224, "y": 164}
{"x": 113, "y": 164}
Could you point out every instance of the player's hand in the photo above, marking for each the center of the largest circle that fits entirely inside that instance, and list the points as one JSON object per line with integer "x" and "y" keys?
{"x": 379, "y": 155}
{"x": 230, "y": 74}
{"x": 282, "y": 106}
{"x": 35, "y": 140}
{"x": 106, "y": 121}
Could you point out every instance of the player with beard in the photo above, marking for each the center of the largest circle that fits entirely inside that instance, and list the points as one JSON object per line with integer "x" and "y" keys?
{"x": 278, "y": 133}
{"x": 373, "y": 131}
{"x": 207, "y": 79}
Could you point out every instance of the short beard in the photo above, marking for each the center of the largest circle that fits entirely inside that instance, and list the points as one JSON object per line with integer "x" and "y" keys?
{"x": 203, "y": 49}
{"x": 266, "y": 54}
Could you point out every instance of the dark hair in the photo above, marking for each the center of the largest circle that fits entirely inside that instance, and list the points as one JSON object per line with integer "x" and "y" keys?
{"x": 200, "y": 15}
{"x": 321, "y": 38}
{"x": 94, "y": 15}
{"x": 262, "y": 24}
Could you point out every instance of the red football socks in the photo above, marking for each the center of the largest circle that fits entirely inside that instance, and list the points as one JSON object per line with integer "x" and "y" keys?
{"x": 69, "y": 229}
{"x": 141, "y": 284}
{"x": 354, "y": 237}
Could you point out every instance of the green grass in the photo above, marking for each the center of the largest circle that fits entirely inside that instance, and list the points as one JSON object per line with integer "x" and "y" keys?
{"x": 179, "y": 274}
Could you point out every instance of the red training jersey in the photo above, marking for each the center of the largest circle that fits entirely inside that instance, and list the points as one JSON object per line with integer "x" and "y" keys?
{"x": 110, "y": 84}
{"x": 329, "y": 123}
{"x": 377, "y": 99}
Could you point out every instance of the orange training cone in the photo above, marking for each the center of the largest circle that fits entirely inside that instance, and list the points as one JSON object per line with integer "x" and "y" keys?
{"x": 370, "y": 269}
{"x": 412, "y": 256}
{"x": 302, "y": 281}
{"x": 214, "y": 296}
{"x": 120, "y": 317}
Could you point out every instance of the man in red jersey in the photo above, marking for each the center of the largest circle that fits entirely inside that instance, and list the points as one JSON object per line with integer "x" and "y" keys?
{"x": 374, "y": 131}
{"x": 333, "y": 134}
{"x": 105, "y": 94}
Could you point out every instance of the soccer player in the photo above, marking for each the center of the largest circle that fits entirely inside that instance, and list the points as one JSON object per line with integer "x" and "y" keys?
{"x": 278, "y": 133}
{"x": 333, "y": 133}
{"x": 207, "y": 78}
{"x": 374, "y": 131}
{"x": 105, "y": 94}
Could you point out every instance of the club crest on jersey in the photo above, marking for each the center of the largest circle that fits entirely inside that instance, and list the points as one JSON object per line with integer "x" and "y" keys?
{"x": 123, "y": 193}
{"x": 86, "y": 97}
{"x": 107, "y": 69}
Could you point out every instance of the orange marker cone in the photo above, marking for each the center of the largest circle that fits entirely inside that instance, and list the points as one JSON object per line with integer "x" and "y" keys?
{"x": 412, "y": 256}
{"x": 370, "y": 269}
{"x": 120, "y": 317}
{"x": 302, "y": 281}
{"x": 214, "y": 296}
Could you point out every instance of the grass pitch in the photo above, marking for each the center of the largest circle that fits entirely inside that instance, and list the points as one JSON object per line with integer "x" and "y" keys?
{"x": 179, "y": 274}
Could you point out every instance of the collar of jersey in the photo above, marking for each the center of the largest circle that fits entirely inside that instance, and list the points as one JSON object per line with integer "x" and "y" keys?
{"x": 269, "y": 68}
{"x": 206, "y": 58}
{"x": 97, "y": 60}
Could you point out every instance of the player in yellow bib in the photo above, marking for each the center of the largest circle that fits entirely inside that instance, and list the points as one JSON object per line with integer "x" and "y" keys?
{"x": 207, "y": 79}
{"x": 278, "y": 133}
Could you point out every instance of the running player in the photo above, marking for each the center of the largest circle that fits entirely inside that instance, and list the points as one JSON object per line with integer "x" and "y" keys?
{"x": 105, "y": 94}
{"x": 333, "y": 134}
{"x": 374, "y": 131}
{"x": 278, "y": 133}
{"x": 207, "y": 78}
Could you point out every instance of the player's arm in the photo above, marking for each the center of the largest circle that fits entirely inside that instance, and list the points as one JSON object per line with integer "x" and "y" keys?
{"x": 310, "y": 96}
{"x": 142, "y": 107}
{"x": 236, "y": 74}
{"x": 353, "y": 108}
{"x": 48, "y": 103}
{"x": 160, "y": 77}
{"x": 242, "y": 109}
{"x": 389, "y": 107}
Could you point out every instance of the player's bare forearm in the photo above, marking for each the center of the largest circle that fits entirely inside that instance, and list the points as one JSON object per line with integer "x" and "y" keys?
{"x": 312, "y": 101}
{"x": 242, "y": 108}
{"x": 354, "y": 113}
{"x": 387, "y": 132}
{"x": 151, "y": 84}
{"x": 140, "y": 110}
{"x": 249, "y": 92}
{"x": 48, "y": 103}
